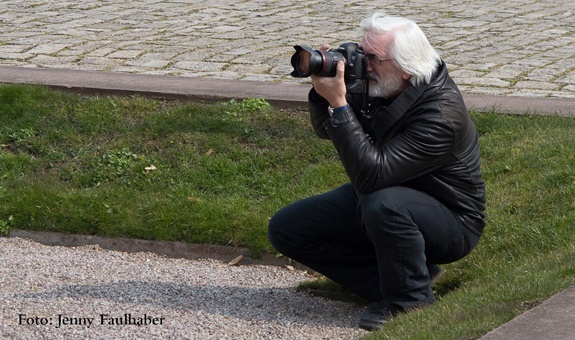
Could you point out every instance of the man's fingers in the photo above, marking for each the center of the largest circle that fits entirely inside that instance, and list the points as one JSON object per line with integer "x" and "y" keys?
{"x": 340, "y": 69}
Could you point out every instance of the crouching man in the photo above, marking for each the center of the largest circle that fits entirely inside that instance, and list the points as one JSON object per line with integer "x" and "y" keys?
{"x": 416, "y": 195}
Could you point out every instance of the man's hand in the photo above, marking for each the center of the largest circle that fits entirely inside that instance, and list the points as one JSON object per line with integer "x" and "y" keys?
{"x": 332, "y": 88}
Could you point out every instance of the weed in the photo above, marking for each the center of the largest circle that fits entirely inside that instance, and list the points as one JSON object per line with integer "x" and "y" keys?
{"x": 239, "y": 112}
{"x": 21, "y": 135}
{"x": 121, "y": 166}
{"x": 5, "y": 225}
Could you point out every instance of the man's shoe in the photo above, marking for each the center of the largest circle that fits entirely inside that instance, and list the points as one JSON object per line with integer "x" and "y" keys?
{"x": 375, "y": 317}
{"x": 435, "y": 272}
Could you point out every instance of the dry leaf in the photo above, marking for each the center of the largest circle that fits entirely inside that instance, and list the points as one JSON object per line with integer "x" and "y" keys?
{"x": 236, "y": 260}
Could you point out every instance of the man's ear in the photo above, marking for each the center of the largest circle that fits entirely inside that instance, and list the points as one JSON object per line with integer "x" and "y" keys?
{"x": 405, "y": 76}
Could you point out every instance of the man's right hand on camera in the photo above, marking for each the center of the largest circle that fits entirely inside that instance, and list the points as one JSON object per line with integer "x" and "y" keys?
{"x": 332, "y": 88}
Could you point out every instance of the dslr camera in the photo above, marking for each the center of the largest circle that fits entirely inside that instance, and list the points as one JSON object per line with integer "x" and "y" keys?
{"x": 306, "y": 61}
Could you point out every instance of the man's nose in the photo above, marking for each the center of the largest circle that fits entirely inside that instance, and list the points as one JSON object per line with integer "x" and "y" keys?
{"x": 369, "y": 68}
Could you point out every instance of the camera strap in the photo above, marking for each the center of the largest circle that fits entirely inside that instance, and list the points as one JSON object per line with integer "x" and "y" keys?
{"x": 388, "y": 119}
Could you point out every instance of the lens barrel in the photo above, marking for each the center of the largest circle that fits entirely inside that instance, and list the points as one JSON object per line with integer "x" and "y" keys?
{"x": 306, "y": 61}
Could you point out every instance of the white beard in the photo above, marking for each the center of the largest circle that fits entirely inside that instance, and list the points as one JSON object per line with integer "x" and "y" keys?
{"x": 387, "y": 88}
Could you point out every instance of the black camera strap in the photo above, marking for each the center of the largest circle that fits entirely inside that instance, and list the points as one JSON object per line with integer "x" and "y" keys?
{"x": 388, "y": 119}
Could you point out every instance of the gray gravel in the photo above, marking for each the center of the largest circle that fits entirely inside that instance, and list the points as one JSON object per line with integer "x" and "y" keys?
{"x": 186, "y": 299}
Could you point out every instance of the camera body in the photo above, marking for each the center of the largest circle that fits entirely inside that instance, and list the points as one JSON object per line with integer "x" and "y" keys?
{"x": 306, "y": 62}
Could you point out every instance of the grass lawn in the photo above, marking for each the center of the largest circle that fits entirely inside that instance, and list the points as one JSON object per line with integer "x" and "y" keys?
{"x": 214, "y": 174}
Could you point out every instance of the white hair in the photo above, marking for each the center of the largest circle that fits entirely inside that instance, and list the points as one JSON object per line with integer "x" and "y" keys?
{"x": 410, "y": 48}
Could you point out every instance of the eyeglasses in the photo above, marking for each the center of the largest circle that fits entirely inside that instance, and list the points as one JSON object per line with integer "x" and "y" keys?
{"x": 375, "y": 60}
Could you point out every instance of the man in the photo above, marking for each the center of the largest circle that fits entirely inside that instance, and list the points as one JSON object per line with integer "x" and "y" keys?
{"x": 416, "y": 197}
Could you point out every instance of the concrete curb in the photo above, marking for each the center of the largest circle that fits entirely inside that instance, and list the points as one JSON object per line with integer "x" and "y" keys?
{"x": 204, "y": 89}
{"x": 551, "y": 320}
{"x": 184, "y": 88}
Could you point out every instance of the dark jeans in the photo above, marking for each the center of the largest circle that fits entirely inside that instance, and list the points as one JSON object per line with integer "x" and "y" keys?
{"x": 377, "y": 245}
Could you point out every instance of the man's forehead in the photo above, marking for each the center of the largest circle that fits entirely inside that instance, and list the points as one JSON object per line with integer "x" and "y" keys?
{"x": 376, "y": 42}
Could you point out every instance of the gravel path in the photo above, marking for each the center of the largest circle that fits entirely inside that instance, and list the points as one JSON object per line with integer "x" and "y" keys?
{"x": 56, "y": 292}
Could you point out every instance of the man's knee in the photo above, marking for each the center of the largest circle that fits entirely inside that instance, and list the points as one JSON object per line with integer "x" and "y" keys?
{"x": 275, "y": 231}
{"x": 285, "y": 231}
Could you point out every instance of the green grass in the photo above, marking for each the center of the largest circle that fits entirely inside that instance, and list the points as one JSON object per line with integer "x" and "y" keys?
{"x": 78, "y": 164}
{"x": 165, "y": 170}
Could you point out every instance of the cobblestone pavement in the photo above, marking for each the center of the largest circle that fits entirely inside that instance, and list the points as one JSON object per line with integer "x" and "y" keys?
{"x": 512, "y": 47}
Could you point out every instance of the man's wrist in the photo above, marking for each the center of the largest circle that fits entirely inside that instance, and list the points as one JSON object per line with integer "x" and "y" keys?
{"x": 338, "y": 110}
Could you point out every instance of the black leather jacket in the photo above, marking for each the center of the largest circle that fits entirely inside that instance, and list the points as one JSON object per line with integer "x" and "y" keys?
{"x": 424, "y": 139}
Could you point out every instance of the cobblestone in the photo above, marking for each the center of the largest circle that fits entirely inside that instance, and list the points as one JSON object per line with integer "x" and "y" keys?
{"x": 513, "y": 48}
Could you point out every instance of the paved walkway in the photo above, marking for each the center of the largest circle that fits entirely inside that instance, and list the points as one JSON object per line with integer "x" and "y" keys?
{"x": 521, "y": 50}
{"x": 511, "y": 48}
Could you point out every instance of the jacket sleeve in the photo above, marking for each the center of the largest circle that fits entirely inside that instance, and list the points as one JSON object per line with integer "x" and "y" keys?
{"x": 319, "y": 114}
{"x": 419, "y": 148}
